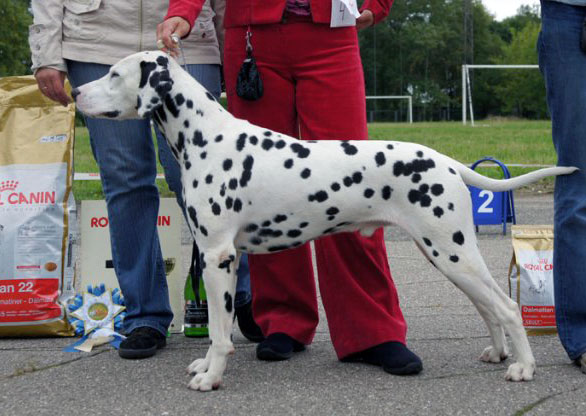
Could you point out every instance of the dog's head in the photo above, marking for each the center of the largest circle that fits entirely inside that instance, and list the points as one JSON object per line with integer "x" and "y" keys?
{"x": 133, "y": 88}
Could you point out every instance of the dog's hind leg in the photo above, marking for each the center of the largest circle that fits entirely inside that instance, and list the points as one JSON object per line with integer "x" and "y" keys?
{"x": 465, "y": 267}
{"x": 220, "y": 283}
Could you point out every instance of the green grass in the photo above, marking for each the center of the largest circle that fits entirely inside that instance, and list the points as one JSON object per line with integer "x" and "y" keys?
{"x": 510, "y": 141}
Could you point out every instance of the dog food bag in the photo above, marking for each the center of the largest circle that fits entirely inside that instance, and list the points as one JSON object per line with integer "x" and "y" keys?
{"x": 36, "y": 207}
{"x": 531, "y": 277}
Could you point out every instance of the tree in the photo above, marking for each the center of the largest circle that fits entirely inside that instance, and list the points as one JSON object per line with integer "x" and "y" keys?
{"x": 14, "y": 49}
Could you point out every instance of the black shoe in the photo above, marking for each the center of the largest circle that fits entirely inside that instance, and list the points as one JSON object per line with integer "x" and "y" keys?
{"x": 143, "y": 342}
{"x": 278, "y": 347}
{"x": 394, "y": 357}
{"x": 246, "y": 323}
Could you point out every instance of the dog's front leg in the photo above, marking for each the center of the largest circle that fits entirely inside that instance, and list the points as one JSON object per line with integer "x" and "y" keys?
{"x": 220, "y": 284}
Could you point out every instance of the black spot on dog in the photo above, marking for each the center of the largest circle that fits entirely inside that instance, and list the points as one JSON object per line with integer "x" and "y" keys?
{"x": 233, "y": 184}
{"x": 424, "y": 188}
{"x": 458, "y": 238}
{"x": 193, "y": 216}
{"x": 145, "y": 70}
{"x": 454, "y": 259}
{"x": 253, "y": 140}
{"x": 305, "y": 173}
{"x": 349, "y": 149}
{"x": 416, "y": 165}
{"x": 199, "y": 112}
{"x": 256, "y": 241}
{"x": 163, "y": 61}
{"x": 268, "y": 133}
{"x": 386, "y": 192}
{"x": 419, "y": 153}
{"x": 195, "y": 183}
{"x": 425, "y": 201}
{"x": 451, "y": 206}
{"x": 241, "y": 141}
{"x": 186, "y": 124}
{"x": 209, "y": 178}
{"x": 198, "y": 139}
{"x": 229, "y": 202}
{"x": 438, "y": 212}
{"x": 247, "y": 172}
{"x": 180, "y": 142}
{"x": 189, "y": 104}
{"x": 187, "y": 165}
{"x": 210, "y": 96}
{"x": 301, "y": 151}
{"x": 357, "y": 177}
{"x": 293, "y": 233}
{"x": 347, "y": 181}
{"x": 272, "y": 249}
{"x": 416, "y": 196}
{"x": 280, "y": 218}
{"x": 203, "y": 155}
{"x": 288, "y": 163}
{"x": 303, "y": 224}
{"x": 380, "y": 159}
{"x": 202, "y": 261}
{"x": 269, "y": 232}
{"x": 368, "y": 193}
{"x": 179, "y": 99}
{"x": 266, "y": 223}
{"x": 219, "y": 138}
{"x": 437, "y": 189}
{"x": 227, "y": 165}
{"x": 319, "y": 196}
{"x": 237, "y": 205}
{"x": 267, "y": 144}
{"x": 280, "y": 144}
{"x": 415, "y": 178}
{"x": 435, "y": 254}
{"x": 427, "y": 241}
{"x": 216, "y": 209}
{"x": 250, "y": 228}
{"x": 335, "y": 186}
{"x": 226, "y": 264}
{"x": 332, "y": 211}
{"x": 452, "y": 171}
{"x": 111, "y": 114}
{"x": 204, "y": 230}
{"x": 228, "y": 302}
{"x": 223, "y": 190}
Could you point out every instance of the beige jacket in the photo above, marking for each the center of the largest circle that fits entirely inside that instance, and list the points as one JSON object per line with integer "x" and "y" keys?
{"x": 105, "y": 31}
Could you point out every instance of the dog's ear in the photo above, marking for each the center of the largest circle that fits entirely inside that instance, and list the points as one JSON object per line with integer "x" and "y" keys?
{"x": 155, "y": 84}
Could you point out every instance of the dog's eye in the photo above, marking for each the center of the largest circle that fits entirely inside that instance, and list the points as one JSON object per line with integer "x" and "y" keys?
{"x": 114, "y": 75}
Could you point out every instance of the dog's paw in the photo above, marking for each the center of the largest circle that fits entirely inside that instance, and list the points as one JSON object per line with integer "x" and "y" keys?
{"x": 199, "y": 366}
{"x": 205, "y": 382}
{"x": 520, "y": 372}
{"x": 493, "y": 355}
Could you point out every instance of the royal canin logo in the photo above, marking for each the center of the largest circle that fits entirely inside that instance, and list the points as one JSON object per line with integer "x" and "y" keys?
{"x": 543, "y": 265}
{"x": 9, "y": 195}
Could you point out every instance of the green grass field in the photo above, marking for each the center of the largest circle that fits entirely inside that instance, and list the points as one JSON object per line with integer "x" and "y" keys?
{"x": 510, "y": 141}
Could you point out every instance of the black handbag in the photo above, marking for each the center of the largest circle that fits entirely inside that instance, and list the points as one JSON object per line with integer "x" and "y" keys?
{"x": 249, "y": 84}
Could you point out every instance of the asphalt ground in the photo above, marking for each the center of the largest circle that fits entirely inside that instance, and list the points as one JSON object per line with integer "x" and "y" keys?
{"x": 38, "y": 378}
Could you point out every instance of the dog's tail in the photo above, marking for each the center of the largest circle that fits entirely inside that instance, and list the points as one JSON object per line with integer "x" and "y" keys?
{"x": 473, "y": 178}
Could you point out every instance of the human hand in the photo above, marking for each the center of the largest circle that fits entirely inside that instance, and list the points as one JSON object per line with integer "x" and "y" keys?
{"x": 172, "y": 26}
{"x": 51, "y": 82}
{"x": 365, "y": 20}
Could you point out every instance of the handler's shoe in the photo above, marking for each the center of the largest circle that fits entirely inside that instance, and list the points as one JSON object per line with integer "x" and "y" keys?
{"x": 278, "y": 347}
{"x": 247, "y": 325}
{"x": 143, "y": 342}
{"x": 394, "y": 357}
{"x": 581, "y": 362}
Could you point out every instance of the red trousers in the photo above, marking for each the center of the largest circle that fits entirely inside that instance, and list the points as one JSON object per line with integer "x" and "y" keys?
{"x": 314, "y": 89}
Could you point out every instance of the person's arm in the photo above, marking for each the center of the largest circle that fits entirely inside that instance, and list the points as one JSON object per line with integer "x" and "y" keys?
{"x": 379, "y": 9}
{"x": 45, "y": 37}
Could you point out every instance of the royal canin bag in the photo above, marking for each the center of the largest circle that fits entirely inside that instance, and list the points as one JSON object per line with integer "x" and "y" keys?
{"x": 36, "y": 210}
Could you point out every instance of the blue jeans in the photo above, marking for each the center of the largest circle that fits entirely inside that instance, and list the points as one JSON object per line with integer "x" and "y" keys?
{"x": 563, "y": 66}
{"x": 126, "y": 157}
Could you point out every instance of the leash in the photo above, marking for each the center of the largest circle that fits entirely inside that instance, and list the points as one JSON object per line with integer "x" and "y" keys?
{"x": 177, "y": 41}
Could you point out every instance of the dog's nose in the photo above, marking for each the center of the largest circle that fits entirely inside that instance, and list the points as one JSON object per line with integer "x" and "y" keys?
{"x": 74, "y": 93}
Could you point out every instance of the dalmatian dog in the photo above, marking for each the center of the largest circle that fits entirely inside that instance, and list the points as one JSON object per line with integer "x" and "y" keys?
{"x": 250, "y": 189}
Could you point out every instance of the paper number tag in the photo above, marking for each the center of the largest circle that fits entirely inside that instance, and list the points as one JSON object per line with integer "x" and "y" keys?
{"x": 344, "y": 13}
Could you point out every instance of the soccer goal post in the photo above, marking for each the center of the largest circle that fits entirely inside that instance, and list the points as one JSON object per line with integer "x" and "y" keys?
{"x": 409, "y": 99}
{"x": 467, "y": 88}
